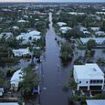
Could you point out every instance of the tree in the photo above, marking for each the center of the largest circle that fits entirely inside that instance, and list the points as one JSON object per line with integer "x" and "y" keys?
{"x": 29, "y": 81}
{"x": 90, "y": 44}
{"x": 103, "y": 26}
{"x": 66, "y": 52}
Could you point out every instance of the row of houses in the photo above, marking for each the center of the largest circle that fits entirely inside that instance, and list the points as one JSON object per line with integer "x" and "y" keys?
{"x": 98, "y": 41}
{"x": 63, "y": 28}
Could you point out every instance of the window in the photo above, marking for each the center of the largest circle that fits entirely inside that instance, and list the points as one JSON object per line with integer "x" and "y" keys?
{"x": 86, "y": 81}
{"x": 79, "y": 81}
{"x": 96, "y": 81}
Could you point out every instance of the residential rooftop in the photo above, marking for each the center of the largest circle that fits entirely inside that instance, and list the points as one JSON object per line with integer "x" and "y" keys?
{"x": 88, "y": 71}
{"x": 95, "y": 102}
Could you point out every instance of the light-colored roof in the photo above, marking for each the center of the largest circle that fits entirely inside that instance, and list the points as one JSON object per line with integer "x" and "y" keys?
{"x": 100, "y": 33}
{"x": 88, "y": 71}
{"x": 61, "y": 24}
{"x": 95, "y": 102}
{"x": 86, "y": 32}
{"x": 100, "y": 13}
{"x": 21, "y": 51}
{"x": 9, "y": 103}
{"x": 22, "y": 21}
{"x": 76, "y": 13}
{"x": 16, "y": 78}
{"x": 95, "y": 28}
{"x": 6, "y": 35}
{"x": 65, "y": 29}
{"x": 25, "y": 36}
{"x": 98, "y": 40}
{"x": 15, "y": 27}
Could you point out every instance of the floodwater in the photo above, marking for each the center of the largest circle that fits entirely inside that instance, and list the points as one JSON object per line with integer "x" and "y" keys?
{"x": 53, "y": 75}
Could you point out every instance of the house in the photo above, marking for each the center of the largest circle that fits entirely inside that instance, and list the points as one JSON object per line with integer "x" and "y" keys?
{"x": 95, "y": 102}
{"x": 100, "y": 33}
{"x": 65, "y": 29}
{"x": 29, "y": 37}
{"x": 1, "y": 91}
{"x": 21, "y": 52}
{"x": 86, "y": 32}
{"x": 22, "y": 21}
{"x": 16, "y": 78}
{"x": 6, "y": 35}
{"x": 15, "y": 27}
{"x": 88, "y": 77}
{"x": 99, "y": 40}
{"x": 95, "y": 28}
{"x": 60, "y": 24}
{"x": 9, "y": 103}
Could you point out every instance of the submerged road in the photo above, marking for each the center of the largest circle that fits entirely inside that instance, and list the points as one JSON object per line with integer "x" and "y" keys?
{"x": 54, "y": 76}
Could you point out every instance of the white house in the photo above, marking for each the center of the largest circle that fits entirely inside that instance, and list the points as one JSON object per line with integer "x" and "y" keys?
{"x": 9, "y": 103}
{"x": 15, "y": 27}
{"x": 16, "y": 78}
{"x": 95, "y": 28}
{"x": 22, "y": 21}
{"x": 26, "y": 36}
{"x": 86, "y": 32}
{"x": 88, "y": 77}
{"x": 6, "y": 35}
{"x": 100, "y": 33}
{"x": 21, "y": 52}
{"x": 95, "y": 102}
{"x": 60, "y": 24}
{"x": 64, "y": 29}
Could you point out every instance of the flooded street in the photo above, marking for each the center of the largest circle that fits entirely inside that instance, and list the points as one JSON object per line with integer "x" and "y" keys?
{"x": 54, "y": 76}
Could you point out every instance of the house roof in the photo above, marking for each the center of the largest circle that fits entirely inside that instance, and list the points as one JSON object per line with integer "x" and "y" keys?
{"x": 61, "y": 24}
{"x": 16, "y": 78}
{"x": 64, "y": 29}
{"x": 9, "y": 103}
{"x": 95, "y": 102}
{"x": 21, "y": 51}
{"x": 100, "y": 33}
{"x": 88, "y": 71}
{"x": 22, "y": 21}
{"x": 95, "y": 28}
{"x": 6, "y": 35}
{"x": 25, "y": 36}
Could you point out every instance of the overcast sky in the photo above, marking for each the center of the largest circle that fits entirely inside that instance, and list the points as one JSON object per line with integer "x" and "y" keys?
{"x": 52, "y": 0}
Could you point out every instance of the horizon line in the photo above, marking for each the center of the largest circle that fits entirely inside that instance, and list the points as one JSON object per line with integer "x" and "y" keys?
{"x": 52, "y": 2}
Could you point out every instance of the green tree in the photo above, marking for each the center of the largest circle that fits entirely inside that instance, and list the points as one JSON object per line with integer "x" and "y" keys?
{"x": 90, "y": 44}
{"x": 66, "y": 52}
{"x": 29, "y": 81}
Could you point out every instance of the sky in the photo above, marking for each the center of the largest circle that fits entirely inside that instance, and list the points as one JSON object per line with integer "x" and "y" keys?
{"x": 52, "y": 0}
